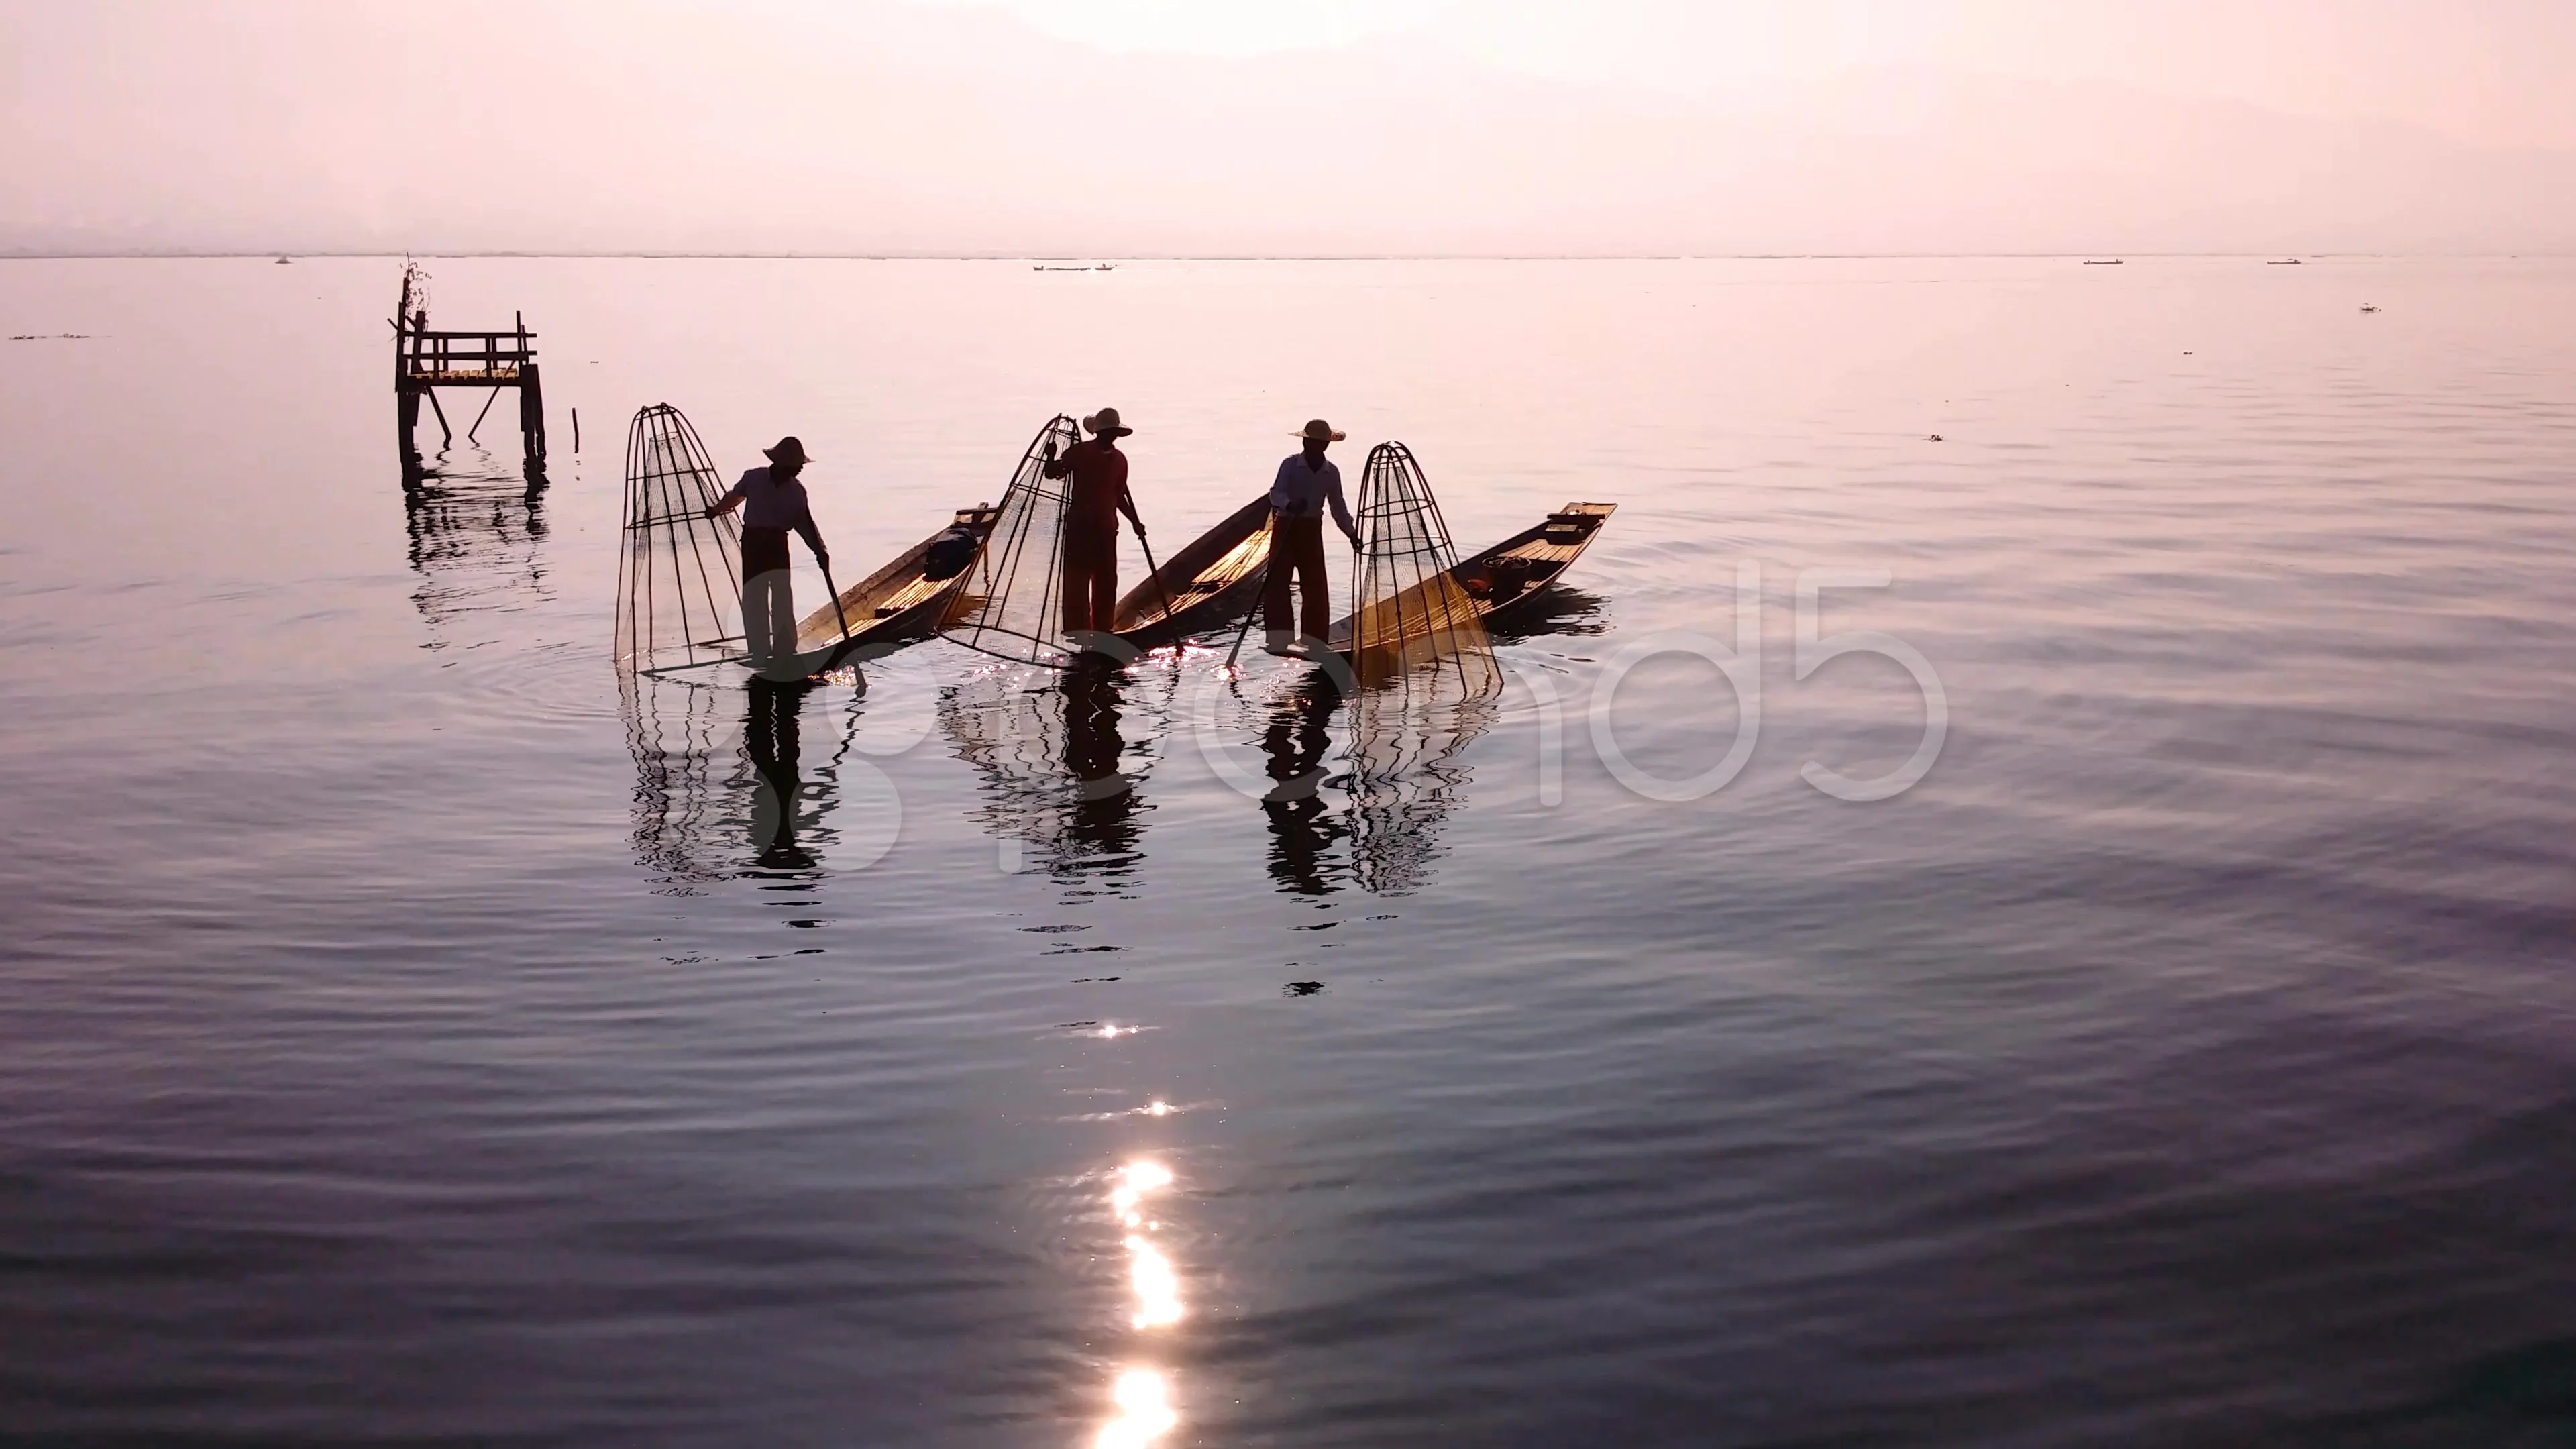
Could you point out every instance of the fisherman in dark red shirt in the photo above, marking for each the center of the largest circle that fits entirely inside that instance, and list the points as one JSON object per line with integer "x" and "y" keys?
{"x": 1095, "y": 475}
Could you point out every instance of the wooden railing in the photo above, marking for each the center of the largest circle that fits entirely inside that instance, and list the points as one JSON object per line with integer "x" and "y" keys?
{"x": 454, "y": 356}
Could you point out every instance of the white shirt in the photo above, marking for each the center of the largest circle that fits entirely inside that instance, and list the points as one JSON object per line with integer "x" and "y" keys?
{"x": 769, "y": 502}
{"x": 1303, "y": 492}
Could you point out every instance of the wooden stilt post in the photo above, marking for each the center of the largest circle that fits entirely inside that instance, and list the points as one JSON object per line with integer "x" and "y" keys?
{"x": 406, "y": 396}
{"x": 407, "y": 418}
{"x": 532, "y": 421}
{"x": 532, "y": 404}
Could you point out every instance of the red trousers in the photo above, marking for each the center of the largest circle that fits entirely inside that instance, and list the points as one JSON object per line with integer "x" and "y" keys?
{"x": 1090, "y": 575}
{"x": 1296, "y": 547}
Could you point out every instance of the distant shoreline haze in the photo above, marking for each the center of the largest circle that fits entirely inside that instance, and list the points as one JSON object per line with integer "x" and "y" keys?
{"x": 876, "y": 129}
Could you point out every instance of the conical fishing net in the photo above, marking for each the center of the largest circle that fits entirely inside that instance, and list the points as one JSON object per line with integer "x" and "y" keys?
{"x": 1411, "y": 612}
{"x": 1012, "y": 607}
{"x": 679, "y": 597}
{"x": 1424, "y": 672}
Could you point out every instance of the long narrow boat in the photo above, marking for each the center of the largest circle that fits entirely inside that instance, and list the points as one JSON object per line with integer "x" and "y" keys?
{"x": 1502, "y": 579}
{"x": 1211, "y": 580}
{"x": 893, "y": 606}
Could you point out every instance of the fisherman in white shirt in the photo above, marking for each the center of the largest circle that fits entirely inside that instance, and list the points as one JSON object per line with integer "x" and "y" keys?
{"x": 1307, "y": 485}
{"x": 772, "y": 504}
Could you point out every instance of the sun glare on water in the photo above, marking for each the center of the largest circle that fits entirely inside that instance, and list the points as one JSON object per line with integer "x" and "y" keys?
{"x": 1143, "y": 1395}
{"x": 1145, "y": 1413}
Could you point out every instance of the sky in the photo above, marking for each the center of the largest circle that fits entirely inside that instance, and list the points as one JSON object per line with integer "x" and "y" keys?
{"x": 1275, "y": 127}
{"x": 2489, "y": 71}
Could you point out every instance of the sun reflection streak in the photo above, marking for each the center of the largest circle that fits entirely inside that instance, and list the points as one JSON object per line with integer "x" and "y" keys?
{"x": 1144, "y": 1411}
{"x": 1158, "y": 1288}
{"x": 1143, "y": 1395}
{"x": 1149, "y": 1271}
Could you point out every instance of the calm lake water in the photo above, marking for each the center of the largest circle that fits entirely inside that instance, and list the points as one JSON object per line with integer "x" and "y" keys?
{"x": 403, "y": 1039}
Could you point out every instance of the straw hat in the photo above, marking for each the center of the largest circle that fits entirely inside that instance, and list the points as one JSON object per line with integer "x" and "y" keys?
{"x": 1321, "y": 432}
{"x": 788, "y": 451}
{"x": 1105, "y": 424}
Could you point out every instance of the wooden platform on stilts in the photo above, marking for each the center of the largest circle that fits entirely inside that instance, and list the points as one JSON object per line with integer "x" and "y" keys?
{"x": 427, "y": 360}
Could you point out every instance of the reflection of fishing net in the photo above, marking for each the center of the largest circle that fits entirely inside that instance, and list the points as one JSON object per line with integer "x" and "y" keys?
{"x": 727, "y": 783}
{"x": 1012, "y": 607}
{"x": 1411, "y": 611}
{"x": 1405, "y": 777}
{"x": 681, "y": 737}
{"x": 678, "y": 597}
{"x": 1053, "y": 763}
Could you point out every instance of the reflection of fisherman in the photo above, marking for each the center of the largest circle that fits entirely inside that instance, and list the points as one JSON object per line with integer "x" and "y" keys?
{"x": 769, "y": 734}
{"x": 1307, "y": 484}
{"x": 1104, "y": 802}
{"x": 772, "y": 503}
{"x": 1301, "y": 828}
{"x": 1095, "y": 494}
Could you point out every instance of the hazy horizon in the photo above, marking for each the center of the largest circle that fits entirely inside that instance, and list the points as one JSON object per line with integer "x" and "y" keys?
{"x": 1514, "y": 128}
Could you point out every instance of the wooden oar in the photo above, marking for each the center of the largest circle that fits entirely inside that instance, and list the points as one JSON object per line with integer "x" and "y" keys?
{"x": 1259, "y": 607}
{"x": 1154, "y": 571}
{"x": 1241, "y": 634}
{"x": 837, "y": 611}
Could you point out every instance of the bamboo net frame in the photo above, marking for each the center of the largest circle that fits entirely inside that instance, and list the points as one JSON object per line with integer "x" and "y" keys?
{"x": 1409, "y": 609}
{"x": 679, "y": 594}
{"x": 1012, "y": 604}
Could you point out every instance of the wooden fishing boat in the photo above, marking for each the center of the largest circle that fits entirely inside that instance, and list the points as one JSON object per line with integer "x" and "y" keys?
{"x": 1210, "y": 581}
{"x": 1511, "y": 573}
{"x": 893, "y": 606}
{"x": 1502, "y": 579}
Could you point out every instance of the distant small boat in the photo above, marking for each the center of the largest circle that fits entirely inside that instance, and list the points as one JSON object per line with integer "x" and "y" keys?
{"x": 286, "y": 261}
{"x": 2114, "y": 262}
{"x": 2370, "y": 306}
{"x": 1043, "y": 267}
{"x": 2284, "y": 262}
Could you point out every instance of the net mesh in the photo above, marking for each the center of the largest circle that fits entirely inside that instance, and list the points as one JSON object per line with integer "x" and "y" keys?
{"x": 1411, "y": 611}
{"x": 1012, "y": 604}
{"x": 678, "y": 595}
{"x": 679, "y": 737}
{"x": 1406, "y": 776}
{"x": 1424, "y": 674}
{"x": 736, "y": 781}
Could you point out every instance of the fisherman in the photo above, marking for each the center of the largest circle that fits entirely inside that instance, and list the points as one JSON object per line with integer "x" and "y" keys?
{"x": 1307, "y": 484}
{"x": 1095, "y": 494}
{"x": 772, "y": 503}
